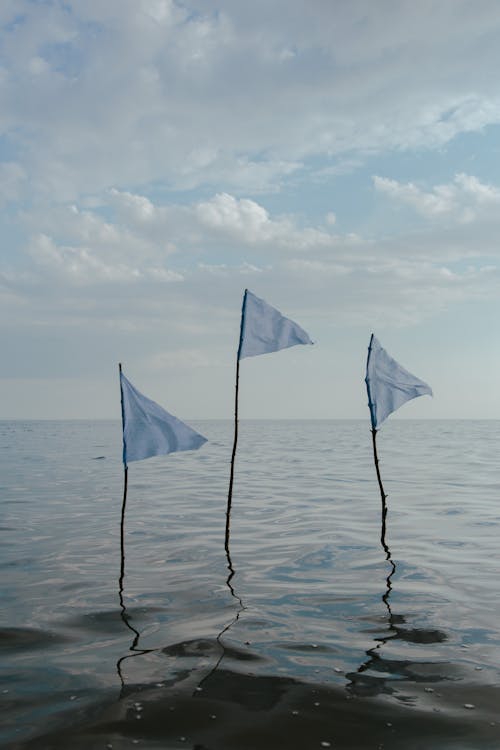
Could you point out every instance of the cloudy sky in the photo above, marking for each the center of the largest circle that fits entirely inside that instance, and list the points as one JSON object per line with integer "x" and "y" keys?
{"x": 340, "y": 158}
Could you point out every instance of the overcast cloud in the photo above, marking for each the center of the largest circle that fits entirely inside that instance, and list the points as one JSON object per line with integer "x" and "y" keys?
{"x": 337, "y": 158}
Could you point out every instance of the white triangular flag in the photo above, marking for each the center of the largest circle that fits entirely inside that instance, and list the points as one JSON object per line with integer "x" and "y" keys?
{"x": 149, "y": 430}
{"x": 388, "y": 384}
{"x": 264, "y": 329}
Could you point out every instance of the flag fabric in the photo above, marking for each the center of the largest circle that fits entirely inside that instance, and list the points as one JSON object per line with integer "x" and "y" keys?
{"x": 388, "y": 384}
{"x": 149, "y": 430}
{"x": 264, "y": 329}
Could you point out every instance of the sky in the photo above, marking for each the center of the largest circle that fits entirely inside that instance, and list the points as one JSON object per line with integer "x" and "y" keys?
{"x": 340, "y": 159}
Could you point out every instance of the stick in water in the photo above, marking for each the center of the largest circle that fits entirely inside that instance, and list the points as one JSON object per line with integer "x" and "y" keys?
{"x": 235, "y": 441}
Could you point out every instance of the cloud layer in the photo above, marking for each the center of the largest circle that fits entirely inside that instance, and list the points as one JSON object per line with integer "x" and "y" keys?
{"x": 95, "y": 95}
{"x": 157, "y": 157}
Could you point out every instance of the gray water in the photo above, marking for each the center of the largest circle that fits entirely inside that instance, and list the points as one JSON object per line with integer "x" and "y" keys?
{"x": 303, "y": 636}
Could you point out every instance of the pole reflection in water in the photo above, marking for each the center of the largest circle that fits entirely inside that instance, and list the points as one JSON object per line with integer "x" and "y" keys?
{"x": 234, "y": 594}
{"x": 379, "y": 674}
{"x": 374, "y": 674}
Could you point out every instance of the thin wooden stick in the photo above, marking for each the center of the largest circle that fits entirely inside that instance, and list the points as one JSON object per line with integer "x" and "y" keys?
{"x": 382, "y": 493}
{"x": 235, "y": 441}
{"x": 124, "y": 615}
{"x": 233, "y": 456}
{"x": 122, "y": 530}
{"x": 388, "y": 557}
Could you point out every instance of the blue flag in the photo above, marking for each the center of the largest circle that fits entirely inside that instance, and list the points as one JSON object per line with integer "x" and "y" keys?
{"x": 388, "y": 384}
{"x": 149, "y": 430}
{"x": 264, "y": 329}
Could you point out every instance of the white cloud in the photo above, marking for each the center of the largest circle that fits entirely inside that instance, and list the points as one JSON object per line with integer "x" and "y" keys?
{"x": 242, "y": 216}
{"x": 135, "y": 207}
{"x": 465, "y": 199}
{"x": 249, "y": 223}
{"x": 442, "y": 200}
{"x": 82, "y": 266}
{"x": 483, "y": 195}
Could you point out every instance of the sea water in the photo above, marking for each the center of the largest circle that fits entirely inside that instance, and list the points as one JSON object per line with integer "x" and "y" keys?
{"x": 303, "y": 631}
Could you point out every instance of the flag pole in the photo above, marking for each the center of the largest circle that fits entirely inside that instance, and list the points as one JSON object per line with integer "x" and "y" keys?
{"x": 235, "y": 441}
{"x": 384, "y": 544}
{"x": 233, "y": 456}
{"x": 124, "y": 502}
{"x": 124, "y": 614}
{"x": 374, "y": 431}
{"x": 382, "y": 492}
{"x": 122, "y": 528}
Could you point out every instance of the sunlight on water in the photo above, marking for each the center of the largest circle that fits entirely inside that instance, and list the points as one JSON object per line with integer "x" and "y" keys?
{"x": 310, "y": 637}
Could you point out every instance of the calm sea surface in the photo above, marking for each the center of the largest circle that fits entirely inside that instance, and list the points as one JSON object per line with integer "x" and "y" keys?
{"x": 304, "y": 636}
